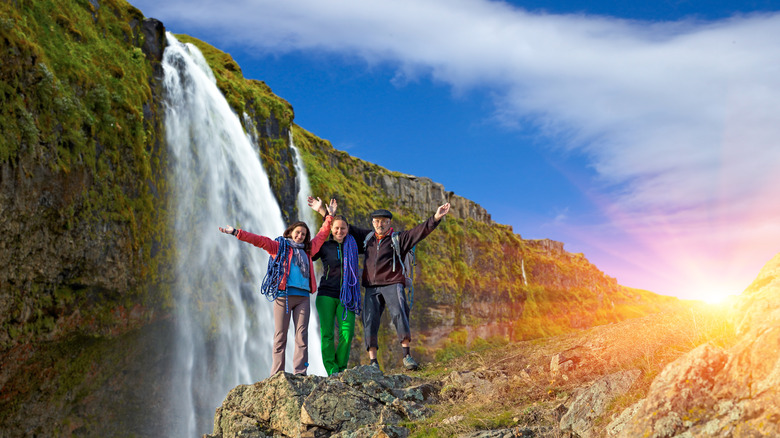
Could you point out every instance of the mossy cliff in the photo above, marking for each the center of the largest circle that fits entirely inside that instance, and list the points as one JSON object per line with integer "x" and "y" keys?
{"x": 83, "y": 168}
{"x": 86, "y": 280}
{"x": 86, "y": 289}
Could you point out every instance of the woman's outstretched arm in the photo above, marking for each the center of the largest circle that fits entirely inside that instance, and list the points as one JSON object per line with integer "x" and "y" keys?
{"x": 257, "y": 240}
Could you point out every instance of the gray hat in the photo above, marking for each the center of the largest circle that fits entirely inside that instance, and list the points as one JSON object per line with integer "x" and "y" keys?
{"x": 382, "y": 213}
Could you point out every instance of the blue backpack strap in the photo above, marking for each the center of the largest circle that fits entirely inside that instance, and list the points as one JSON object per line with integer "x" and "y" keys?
{"x": 365, "y": 241}
{"x": 396, "y": 242}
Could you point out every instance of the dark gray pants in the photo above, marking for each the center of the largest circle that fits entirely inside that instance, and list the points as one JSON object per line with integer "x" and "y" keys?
{"x": 374, "y": 303}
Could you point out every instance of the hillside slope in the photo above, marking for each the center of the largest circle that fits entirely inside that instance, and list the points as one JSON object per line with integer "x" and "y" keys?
{"x": 571, "y": 385}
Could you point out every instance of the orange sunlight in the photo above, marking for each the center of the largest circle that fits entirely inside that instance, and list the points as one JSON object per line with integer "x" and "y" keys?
{"x": 715, "y": 294}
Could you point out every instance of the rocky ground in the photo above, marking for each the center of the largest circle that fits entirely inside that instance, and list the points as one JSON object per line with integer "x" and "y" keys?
{"x": 695, "y": 370}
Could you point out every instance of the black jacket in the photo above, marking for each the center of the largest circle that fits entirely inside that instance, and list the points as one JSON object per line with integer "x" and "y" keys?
{"x": 378, "y": 266}
{"x": 332, "y": 254}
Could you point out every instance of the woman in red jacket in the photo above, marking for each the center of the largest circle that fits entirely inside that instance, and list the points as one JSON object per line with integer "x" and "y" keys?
{"x": 289, "y": 283}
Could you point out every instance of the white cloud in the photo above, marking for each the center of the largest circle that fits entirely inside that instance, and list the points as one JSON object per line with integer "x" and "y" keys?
{"x": 650, "y": 103}
{"x": 681, "y": 120}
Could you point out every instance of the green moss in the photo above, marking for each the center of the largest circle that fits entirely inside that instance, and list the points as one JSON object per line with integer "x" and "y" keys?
{"x": 74, "y": 82}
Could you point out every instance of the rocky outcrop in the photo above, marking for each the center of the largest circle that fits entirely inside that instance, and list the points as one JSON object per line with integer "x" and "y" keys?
{"x": 716, "y": 392}
{"x": 591, "y": 403}
{"x": 413, "y": 195}
{"x": 360, "y": 401}
{"x": 422, "y": 196}
{"x": 548, "y": 246}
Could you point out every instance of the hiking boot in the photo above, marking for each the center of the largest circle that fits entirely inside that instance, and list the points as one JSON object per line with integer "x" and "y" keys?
{"x": 410, "y": 364}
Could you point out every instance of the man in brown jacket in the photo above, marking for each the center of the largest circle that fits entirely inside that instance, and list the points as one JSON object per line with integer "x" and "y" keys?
{"x": 383, "y": 277}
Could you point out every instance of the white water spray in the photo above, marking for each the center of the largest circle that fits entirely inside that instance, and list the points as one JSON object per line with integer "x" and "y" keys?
{"x": 306, "y": 214}
{"x": 224, "y": 325}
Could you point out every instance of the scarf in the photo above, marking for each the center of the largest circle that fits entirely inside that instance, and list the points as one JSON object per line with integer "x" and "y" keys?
{"x": 299, "y": 257}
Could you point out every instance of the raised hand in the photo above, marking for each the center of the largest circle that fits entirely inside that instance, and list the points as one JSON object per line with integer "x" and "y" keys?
{"x": 332, "y": 207}
{"x": 441, "y": 211}
{"x": 316, "y": 205}
{"x": 227, "y": 230}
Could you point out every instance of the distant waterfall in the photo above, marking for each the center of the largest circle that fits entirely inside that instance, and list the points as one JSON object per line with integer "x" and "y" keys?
{"x": 224, "y": 325}
{"x": 306, "y": 214}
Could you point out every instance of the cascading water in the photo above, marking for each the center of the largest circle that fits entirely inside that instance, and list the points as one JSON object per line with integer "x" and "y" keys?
{"x": 306, "y": 214}
{"x": 224, "y": 325}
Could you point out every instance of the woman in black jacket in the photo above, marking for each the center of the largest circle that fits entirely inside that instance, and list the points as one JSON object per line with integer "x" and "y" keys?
{"x": 338, "y": 299}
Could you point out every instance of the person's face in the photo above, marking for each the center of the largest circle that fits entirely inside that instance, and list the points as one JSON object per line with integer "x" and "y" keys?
{"x": 339, "y": 230}
{"x": 381, "y": 225}
{"x": 298, "y": 234}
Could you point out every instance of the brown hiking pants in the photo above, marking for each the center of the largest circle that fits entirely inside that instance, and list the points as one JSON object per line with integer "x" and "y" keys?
{"x": 299, "y": 310}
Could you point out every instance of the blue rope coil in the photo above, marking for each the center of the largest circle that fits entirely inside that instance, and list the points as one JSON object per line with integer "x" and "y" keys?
{"x": 350, "y": 287}
{"x": 277, "y": 266}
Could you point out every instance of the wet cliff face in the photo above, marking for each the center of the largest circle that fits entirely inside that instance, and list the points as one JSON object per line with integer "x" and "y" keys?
{"x": 84, "y": 200}
{"x": 82, "y": 169}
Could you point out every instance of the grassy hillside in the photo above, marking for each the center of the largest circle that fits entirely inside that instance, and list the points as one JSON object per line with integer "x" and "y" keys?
{"x": 473, "y": 277}
{"x": 501, "y": 385}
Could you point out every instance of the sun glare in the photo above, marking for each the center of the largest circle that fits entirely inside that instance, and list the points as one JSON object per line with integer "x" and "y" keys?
{"x": 715, "y": 295}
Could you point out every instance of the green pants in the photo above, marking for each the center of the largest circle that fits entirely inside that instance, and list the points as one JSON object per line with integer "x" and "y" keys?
{"x": 331, "y": 313}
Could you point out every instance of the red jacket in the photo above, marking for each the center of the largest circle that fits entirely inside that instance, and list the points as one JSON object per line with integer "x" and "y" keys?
{"x": 272, "y": 246}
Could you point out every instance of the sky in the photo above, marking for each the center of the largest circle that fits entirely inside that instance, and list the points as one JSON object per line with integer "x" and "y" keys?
{"x": 645, "y": 136}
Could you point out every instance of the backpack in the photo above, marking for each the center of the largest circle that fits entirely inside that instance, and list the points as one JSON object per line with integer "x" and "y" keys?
{"x": 411, "y": 260}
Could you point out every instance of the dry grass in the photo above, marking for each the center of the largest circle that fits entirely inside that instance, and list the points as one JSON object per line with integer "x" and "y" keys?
{"x": 512, "y": 385}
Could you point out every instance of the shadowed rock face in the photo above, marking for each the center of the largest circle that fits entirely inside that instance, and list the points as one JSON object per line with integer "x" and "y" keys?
{"x": 358, "y": 399}
{"x": 712, "y": 392}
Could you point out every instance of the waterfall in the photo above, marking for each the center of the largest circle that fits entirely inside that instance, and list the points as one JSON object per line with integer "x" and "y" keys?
{"x": 224, "y": 326}
{"x": 306, "y": 213}
{"x": 522, "y": 267}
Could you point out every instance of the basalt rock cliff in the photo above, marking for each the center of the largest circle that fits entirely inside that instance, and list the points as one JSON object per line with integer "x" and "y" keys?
{"x": 86, "y": 284}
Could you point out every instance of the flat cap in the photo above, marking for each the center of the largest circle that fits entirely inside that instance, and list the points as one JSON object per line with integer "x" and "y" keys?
{"x": 382, "y": 213}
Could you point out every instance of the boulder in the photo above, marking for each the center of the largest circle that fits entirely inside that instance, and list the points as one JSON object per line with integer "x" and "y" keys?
{"x": 592, "y": 402}
{"x": 359, "y": 402}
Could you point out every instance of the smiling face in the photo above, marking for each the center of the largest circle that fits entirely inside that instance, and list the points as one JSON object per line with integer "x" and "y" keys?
{"x": 339, "y": 230}
{"x": 298, "y": 234}
{"x": 381, "y": 225}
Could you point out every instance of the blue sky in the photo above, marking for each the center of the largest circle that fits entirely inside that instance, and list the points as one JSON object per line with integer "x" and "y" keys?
{"x": 646, "y": 136}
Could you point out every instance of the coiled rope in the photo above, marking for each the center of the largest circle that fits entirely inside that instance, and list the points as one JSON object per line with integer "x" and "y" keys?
{"x": 277, "y": 266}
{"x": 350, "y": 288}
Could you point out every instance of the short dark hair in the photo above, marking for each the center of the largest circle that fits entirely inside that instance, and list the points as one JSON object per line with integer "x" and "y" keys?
{"x": 306, "y": 240}
{"x": 340, "y": 217}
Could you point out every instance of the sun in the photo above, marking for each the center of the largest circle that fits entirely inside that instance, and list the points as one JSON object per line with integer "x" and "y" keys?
{"x": 715, "y": 294}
